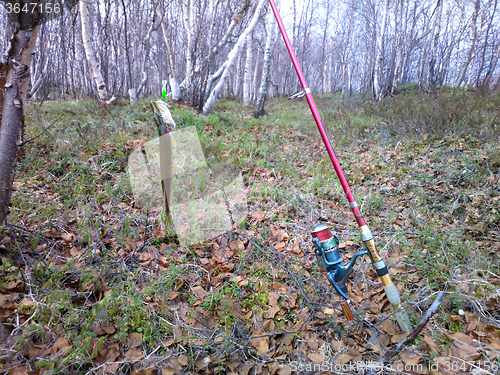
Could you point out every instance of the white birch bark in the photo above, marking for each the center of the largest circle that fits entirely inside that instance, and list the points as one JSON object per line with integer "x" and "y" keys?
{"x": 468, "y": 57}
{"x": 377, "y": 74}
{"x": 94, "y": 67}
{"x": 174, "y": 84}
{"x": 14, "y": 66}
{"x": 247, "y": 75}
{"x": 145, "y": 43}
{"x": 213, "y": 50}
{"x": 189, "y": 26}
{"x": 233, "y": 54}
{"x": 266, "y": 69}
{"x": 436, "y": 29}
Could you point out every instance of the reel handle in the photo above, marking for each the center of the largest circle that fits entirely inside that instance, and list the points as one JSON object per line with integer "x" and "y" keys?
{"x": 346, "y": 308}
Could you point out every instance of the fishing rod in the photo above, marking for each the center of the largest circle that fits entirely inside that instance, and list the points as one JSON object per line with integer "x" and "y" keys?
{"x": 326, "y": 244}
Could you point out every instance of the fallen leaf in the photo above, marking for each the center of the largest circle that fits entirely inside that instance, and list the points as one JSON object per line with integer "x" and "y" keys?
{"x": 316, "y": 357}
{"x": 150, "y": 370}
{"x": 183, "y": 360}
{"x": 202, "y": 363}
{"x": 269, "y": 326}
{"x": 258, "y": 215}
{"x": 285, "y": 370}
{"x": 134, "y": 355}
{"x": 177, "y": 333}
{"x": 430, "y": 342}
{"x": 398, "y": 337}
{"x": 134, "y": 340}
{"x": 388, "y": 327}
{"x": 67, "y": 238}
{"x": 273, "y": 310}
{"x": 199, "y": 292}
{"x": 341, "y": 359}
{"x": 261, "y": 344}
{"x": 410, "y": 358}
{"x": 63, "y": 345}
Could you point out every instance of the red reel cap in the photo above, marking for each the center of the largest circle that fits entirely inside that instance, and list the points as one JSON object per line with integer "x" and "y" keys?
{"x": 322, "y": 232}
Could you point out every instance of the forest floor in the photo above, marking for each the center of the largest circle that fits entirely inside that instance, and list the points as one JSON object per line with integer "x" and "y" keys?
{"x": 90, "y": 283}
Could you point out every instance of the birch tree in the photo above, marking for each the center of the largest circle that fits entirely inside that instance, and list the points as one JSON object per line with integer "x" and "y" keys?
{"x": 436, "y": 28}
{"x": 232, "y": 56}
{"x": 174, "y": 84}
{"x": 470, "y": 50}
{"x": 266, "y": 68}
{"x": 378, "y": 92}
{"x": 94, "y": 67}
{"x": 248, "y": 66}
{"x": 14, "y": 81}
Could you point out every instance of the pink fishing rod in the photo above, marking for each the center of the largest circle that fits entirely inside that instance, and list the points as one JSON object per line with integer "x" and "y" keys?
{"x": 366, "y": 234}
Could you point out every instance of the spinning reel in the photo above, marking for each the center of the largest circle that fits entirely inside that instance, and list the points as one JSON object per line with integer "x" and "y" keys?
{"x": 329, "y": 260}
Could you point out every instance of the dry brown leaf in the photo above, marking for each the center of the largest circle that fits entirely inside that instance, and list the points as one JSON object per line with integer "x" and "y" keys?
{"x": 16, "y": 285}
{"x": 388, "y": 327}
{"x": 398, "y": 337}
{"x": 410, "y": 358}
{"x": 134, "y": 355}
{"x": 273, "y": 310}
{"x": 261, "y": 344}
{"x": 177, "y": 333}
{"x": 67, "y": 238}
{"x": 285, "y": 370}
{"x": 330, "y": 311}
{"x": 108, "y": 330}
{"x": 465, "y": 351}
{"x": 355, "y": 354}
{"x": 341, "y": 359}
{"x": 112, "y": 368}
{"x": 316, "y": 357}
{"x": 244, "y": 369}
{"x": 258, "y": 215}
{"x": 167, "y": 370}
{"x": 202, "y": 362}
{"x": 336, "y": 345}
{"x": 150, "y": 370}
{"x": 430, "y": 342}
{"x": 460, "y": 337}
{"x": 273, "y": 299}
{"x": 269, "y": 326}
{"x": 183, "y": 360}
{"x": 494, "y": 343}
{"x": 199, "y": 292}
{"x": 134, "y": 340}
{"x": 63, "y": 345}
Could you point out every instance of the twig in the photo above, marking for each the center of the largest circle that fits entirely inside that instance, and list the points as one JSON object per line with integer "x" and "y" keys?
{"x": 46, "y": 130}
{"x": 412, "y": 336}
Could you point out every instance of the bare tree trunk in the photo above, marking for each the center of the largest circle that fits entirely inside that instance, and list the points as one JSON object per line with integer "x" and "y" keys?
{"x": 436, "y": 29}
{"x": 346, "y": 55}
{"x": 14, "y": 80}
{"x": 89, "y": 51}
{"x": 472, "y": 45}
{"x": 483, "y": 59}
{"x": 377, "y": 74}
{"x": 174, "y": 84}
{"x": 247, "y": 75}
{"x": 266, "y": 69}
{"x": 189, "y": 26}
{"x": 132, "y": 93}
{"x": 233, "y": 54}
{"x": 145, "y": 43}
